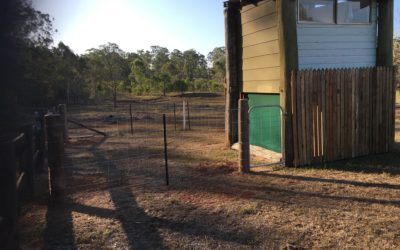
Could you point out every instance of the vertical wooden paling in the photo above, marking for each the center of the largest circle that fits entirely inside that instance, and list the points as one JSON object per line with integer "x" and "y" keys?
{"x": 314, "y": 117}
{"x": 361, "y": 92}
{"x": 367, "y": 110}
{"x": 309, "y": 118}
{"x": 303, "y": 119}
{"x": 330, "y": 112}
{"x": 342, "y": 120}
{"x": 393, "y": 107}
{"x": 353, "y": 112}
{"x": 324, "y": 116}
{"x": 306, "y": 115}
{"x": 335, "y": 136}
{"x": 293, "y": 81}
{"x": 376, "y": 110}
{"x": 319, "y": 98}
{"x": 379, "y": 109}
{"x": 298, "y": 118}
{"x": 384, "y": 111}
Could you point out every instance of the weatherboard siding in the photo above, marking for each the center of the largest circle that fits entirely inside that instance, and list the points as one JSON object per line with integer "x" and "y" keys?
{"x": 337, "y": 46}
{"x": 260, "y": 48}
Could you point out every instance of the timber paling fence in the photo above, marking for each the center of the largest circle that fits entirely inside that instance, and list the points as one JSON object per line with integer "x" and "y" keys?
{"x": 342, "y": 114}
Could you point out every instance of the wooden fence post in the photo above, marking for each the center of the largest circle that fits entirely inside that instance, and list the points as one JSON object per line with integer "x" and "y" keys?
{"x": 233, "y": 40}
{"x": 62, "y": 108}
{"x": 55, "y": 149}
{"x": 188, "y": 113}
{"x": 40, "y": 141}
{"x": 9, "y": 195}
{"x": 244, "y": 139}
{"x": 184, "y": 114}
{"x": 30, "y": 168}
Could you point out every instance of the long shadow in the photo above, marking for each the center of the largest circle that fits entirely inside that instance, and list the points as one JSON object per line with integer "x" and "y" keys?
{"x": 272, "y": 193}
{"x": 192, "y": 227}
{"x": 388, "y": 163}
{"x": 58, "y": 233}
{"x": 128, "y": 211}
{"x": 142, "y": 229}
{"x": 334, "y": 181}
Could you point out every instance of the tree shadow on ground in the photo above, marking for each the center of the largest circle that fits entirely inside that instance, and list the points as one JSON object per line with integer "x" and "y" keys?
{"x": 140, "y": 228}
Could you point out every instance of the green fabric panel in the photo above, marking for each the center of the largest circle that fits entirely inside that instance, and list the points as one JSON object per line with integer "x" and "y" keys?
{"x": 265, "y": 123}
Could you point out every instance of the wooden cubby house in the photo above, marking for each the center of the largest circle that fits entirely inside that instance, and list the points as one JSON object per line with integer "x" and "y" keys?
{"x": 327, "y": 63}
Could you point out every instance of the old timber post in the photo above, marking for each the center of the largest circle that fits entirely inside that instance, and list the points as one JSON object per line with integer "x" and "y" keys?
{"x": 384, "y": 53}
{"x": 232, "y": 44}
{"x": 289, "y": 61}
{"x": 62, "y": 108}
{"x": 55, "y": 147}
{"x": 244, "y": 138}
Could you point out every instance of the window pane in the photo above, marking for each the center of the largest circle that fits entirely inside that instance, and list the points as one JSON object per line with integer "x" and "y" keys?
{"x": 320, "y": 11}
{"x": 354, "y": 11}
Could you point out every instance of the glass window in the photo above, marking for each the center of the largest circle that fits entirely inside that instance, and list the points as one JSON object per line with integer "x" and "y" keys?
{"x": 353, "y": 11}
{"x": 320, "y": 11}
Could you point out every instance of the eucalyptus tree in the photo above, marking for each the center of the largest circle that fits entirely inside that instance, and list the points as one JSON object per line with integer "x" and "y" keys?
{"x": 110, "y": 59}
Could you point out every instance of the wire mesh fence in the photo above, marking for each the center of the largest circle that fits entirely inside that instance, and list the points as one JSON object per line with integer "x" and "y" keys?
{"x": 133, "y": 147}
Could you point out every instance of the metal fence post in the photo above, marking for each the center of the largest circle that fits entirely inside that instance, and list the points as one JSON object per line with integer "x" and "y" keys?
{"x": 244, "y": 144}
{"x": 165, "y": 150}
{"x": 175, "y": 116}
{"x": 130, "y": 113}
{"x": 55, "y": 147}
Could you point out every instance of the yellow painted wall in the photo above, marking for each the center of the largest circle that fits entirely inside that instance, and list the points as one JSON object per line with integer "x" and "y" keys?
{"x": 260, "y": 51}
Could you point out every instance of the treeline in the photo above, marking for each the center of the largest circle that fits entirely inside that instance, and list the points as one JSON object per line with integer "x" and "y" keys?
{"x": 36, "y": 74}
{"x": 107, "y": 71}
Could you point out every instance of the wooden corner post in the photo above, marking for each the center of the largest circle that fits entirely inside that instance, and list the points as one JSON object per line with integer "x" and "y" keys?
{"x": 232, "y": 45}
{"x": 287, "y": 30}
{"x": 55, "y": 148}
{"x": 62, "y": 108}
{"x": 384, "y": 53}
{"x": 244, "y": 138}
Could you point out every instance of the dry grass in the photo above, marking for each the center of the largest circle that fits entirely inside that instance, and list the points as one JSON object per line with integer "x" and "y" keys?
{"x": 208, "y": 205}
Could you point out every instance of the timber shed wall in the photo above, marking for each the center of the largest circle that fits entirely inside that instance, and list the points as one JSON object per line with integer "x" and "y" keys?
{"x": 260, "y": 48}
{"x": 338, "y": 46}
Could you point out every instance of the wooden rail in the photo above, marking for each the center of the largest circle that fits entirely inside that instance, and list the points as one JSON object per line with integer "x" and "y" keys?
{"x": 20, "y": 158}
{"x": 342, "y": 114}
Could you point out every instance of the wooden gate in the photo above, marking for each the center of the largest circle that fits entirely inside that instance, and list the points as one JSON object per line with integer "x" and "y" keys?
{"x": 341, "y": 114}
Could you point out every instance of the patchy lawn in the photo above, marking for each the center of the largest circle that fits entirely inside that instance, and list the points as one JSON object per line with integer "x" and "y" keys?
{"x": 117, "y": 197}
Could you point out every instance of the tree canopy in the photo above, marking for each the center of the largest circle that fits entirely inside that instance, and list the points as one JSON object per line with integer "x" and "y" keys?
{"x": 36, "y": 73}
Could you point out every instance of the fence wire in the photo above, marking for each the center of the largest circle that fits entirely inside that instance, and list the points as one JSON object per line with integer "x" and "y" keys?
{"x": 133, "y": 147}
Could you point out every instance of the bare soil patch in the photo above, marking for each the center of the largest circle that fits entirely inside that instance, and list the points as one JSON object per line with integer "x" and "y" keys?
{"x": 117, "y": 201}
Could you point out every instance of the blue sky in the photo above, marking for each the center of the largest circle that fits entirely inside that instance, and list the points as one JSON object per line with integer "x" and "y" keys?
{"x": 138, "y": 24}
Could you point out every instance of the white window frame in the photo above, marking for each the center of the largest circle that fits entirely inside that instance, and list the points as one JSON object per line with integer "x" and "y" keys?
{"x": 335, "y": 21}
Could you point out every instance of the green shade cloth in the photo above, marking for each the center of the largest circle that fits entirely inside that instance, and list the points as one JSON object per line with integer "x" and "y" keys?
{"x": 265, "y": 123}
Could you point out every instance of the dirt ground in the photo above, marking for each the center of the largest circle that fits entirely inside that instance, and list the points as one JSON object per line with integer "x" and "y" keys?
{"x": 117, "y": 197}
